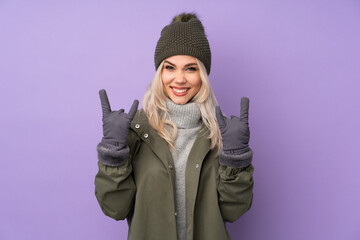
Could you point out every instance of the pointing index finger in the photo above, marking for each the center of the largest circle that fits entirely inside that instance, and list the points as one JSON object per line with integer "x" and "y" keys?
{"x": 244, "y": 109}
{"x": 105, "y": 104}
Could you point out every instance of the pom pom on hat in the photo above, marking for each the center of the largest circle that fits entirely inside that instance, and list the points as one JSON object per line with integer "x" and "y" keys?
{"x": 184, "y": 17}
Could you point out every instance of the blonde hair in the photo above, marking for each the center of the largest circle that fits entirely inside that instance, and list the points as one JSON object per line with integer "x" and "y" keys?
{"x": 154, "y": 105}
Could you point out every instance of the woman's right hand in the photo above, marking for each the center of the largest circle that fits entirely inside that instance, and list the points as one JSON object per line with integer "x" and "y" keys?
{"x": 116, "y": 124}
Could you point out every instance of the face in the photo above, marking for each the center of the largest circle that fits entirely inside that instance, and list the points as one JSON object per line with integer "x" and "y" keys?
{"x": 181, "y": 78}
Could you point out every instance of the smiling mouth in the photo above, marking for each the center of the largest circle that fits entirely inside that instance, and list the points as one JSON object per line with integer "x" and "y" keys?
{"x": 180, "y": 91}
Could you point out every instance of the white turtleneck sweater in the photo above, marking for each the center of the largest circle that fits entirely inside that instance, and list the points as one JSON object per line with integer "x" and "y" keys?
{"x": 187, "y": 118}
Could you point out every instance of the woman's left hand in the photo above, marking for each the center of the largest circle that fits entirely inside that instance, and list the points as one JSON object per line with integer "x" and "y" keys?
{"x": 235, "y": 131}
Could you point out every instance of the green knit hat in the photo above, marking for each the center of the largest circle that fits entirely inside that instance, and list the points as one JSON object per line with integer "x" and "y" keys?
{"x": 185, "y": 35}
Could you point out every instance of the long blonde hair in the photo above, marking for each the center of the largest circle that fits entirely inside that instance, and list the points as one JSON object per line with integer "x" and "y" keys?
{"x": 154, "y": 105}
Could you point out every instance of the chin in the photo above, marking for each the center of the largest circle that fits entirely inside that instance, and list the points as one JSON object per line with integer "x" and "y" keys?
{"x": 179, "y": 101}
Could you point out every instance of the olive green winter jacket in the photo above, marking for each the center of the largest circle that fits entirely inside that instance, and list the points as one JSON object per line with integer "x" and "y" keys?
{"x": 142, "y": 189}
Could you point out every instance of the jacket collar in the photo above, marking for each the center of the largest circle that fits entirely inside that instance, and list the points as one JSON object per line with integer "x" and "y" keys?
{"x": 159, "y": 146}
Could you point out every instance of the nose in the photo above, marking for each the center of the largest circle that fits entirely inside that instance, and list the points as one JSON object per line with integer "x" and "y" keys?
{"x": 180, "y": 78}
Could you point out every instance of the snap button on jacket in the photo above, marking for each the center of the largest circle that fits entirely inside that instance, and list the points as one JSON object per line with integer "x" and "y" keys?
{"x": 142, "y": 190}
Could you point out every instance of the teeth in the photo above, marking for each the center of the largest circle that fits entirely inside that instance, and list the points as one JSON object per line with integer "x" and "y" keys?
{"x": 180, "y": 90}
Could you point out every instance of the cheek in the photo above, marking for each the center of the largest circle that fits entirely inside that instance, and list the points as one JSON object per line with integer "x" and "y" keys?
{"x": 165, "y": 79}
{"x": 198, "y": 83}
{"x": 198, "y": 88}
{"x": 165, "y": 84}
{"x": 162, "y": 78}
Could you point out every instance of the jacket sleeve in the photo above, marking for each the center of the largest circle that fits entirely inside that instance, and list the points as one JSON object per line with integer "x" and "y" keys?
{"x": 115, "y": 188}
{"x": 235, "y": 185}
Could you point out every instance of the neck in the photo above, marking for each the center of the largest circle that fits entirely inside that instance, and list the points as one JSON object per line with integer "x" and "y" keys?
{"x": 184, "y": 115}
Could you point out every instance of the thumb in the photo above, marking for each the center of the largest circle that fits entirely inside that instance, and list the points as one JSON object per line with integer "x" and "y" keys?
{"x": 220, "y": 118}
{"x": 133, "y": 109}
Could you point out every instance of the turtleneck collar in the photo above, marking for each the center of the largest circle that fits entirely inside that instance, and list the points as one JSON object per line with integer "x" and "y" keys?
{"x": 184, "y": 116}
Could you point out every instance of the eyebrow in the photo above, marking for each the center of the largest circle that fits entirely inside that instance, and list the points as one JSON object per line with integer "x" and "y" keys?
{"x": 189, "y": 64}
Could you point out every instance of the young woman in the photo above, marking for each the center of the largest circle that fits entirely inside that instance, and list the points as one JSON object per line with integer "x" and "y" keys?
{"x": 177, "y": 168}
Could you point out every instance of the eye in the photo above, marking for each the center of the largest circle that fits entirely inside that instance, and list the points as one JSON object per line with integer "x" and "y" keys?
{"x": 169, "y": 67}
{"x": 192, "y": 69}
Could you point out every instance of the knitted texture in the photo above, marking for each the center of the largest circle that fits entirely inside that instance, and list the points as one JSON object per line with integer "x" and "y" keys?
{"x": 184, "y": 38}
{"x": 235, "y": 160}
{"x": 111, "y": 155}
{"x": 187, "y": 118}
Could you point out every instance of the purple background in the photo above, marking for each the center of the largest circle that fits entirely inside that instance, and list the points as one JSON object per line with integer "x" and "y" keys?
{"x": 297, "y": 61}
